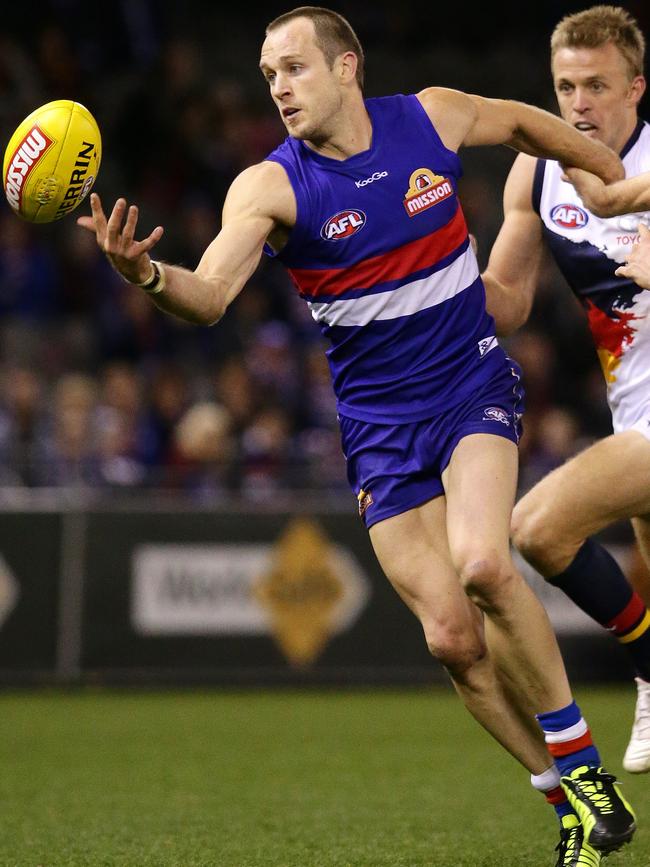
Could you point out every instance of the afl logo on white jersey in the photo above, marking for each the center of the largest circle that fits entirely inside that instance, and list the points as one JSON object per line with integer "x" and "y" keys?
{"x": 342, "y": 225}
{"x": 569, "y": 216}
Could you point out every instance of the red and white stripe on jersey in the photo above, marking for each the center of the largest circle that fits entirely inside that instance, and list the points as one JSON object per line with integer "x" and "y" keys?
{"x": 397, "y": 264}
{"x": 402, "y": 300}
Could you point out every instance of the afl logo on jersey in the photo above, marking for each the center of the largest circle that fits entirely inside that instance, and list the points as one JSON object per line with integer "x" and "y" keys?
{"x": 569, "y": 216}
{"x": 342, "y": 225}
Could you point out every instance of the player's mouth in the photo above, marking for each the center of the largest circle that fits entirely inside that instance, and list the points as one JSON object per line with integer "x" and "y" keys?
{"x": 289, "y": 112}
{"x": 585, "y": 126}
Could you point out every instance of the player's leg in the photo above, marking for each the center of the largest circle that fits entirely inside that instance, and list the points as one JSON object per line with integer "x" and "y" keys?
{"x": 480, "y": 483}
{"x": 413, "y": 552}
{"x": 607, "y": 482}
{"x": 395, "y": 472}
{"x": 552, "y": 525}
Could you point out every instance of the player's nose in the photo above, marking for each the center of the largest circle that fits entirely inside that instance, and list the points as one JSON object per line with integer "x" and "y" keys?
{"x": 281, "y": 86}
{"x": 581, "y": 101}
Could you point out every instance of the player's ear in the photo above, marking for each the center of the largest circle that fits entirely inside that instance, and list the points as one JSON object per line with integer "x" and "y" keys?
{"x": 347, "y": 66}
{"x": 637, "y": 89}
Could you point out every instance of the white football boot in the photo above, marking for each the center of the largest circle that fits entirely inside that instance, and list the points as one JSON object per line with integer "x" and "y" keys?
{"x": 637, "y": 754}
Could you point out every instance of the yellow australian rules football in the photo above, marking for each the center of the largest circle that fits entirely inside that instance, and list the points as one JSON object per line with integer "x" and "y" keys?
{"x": 52, "y": 161}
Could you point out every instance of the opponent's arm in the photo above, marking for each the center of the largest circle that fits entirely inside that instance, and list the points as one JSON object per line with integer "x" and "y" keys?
{"x": 466, "y": 119}
{"x": 513, "y": 269}
{"x": 623, "y": 197}
{"x": 637, "y": 267}
{"x": 259, "y": 201}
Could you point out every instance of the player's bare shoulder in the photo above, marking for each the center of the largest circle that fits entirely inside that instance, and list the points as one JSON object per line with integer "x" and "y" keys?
{"x": 452, "y": 113}
{"x": 263, "y": 190}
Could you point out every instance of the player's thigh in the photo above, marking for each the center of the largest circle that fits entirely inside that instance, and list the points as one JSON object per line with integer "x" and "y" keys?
{"x": 480, "y": 484}
{"x": 413, "y": 552}
{"x": 607, "y": 482}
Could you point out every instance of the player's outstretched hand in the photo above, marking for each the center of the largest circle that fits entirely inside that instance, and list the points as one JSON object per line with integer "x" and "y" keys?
{"x": 591, "y": 189}
{"x": 115, "y": 236}
{"x": 637, "y": 267}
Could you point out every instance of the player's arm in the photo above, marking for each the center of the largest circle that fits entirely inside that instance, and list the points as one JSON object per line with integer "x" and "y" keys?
{"x": 513, "y": 269}
{"x": 637, "y": 267}
{"x": 466, "y": 119}
{"x": 622, "y": 197}
{"x": 259, "y": 201}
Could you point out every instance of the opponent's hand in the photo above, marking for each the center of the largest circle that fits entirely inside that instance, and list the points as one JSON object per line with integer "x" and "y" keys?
{"x": 637, "y": 267}
{"x": 115, "y": 237}
{"x": 590, "y": 188}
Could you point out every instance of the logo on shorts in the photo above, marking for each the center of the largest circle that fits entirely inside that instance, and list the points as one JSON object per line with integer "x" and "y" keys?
{"x": 495, "y": 413}
{"x": 569, "y": 216}
{"x": 485, "y": 345}
{"x": 425, "y": 190}
{"x": 342, "y": 225}
{"x": 365, "y": 500}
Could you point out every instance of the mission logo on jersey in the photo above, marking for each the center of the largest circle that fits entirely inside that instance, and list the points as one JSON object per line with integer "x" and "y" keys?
{"x": 425, "y": 190}
{"x": 569, "y": 216}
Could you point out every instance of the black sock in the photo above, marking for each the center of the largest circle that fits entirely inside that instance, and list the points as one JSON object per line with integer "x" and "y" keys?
{"x": 595, "y": 582}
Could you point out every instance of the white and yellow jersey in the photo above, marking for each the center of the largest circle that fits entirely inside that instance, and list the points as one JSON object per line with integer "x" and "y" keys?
{"x": 588, "y": 250}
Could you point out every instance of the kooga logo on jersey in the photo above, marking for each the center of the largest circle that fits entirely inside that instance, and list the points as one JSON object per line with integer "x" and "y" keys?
{"x": 342, "y": 225}
{"x": 569, "y": 216}
{"x": 376, "y": 177}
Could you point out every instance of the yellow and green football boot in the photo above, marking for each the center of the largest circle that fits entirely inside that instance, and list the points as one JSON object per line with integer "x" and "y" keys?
{"x": 573, "y": 850}
{"x": 606, "y": 817}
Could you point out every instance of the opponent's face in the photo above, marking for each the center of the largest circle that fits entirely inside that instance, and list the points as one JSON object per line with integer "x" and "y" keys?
{"x": 595, "y": 92}
{"x": 302, "y": 85}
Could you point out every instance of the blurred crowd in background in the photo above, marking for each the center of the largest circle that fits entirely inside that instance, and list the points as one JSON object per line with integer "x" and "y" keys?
{"x": 101, "y": 391}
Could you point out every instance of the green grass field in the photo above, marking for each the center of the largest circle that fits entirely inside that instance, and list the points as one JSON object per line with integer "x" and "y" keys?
{"x": 279, "y": 779}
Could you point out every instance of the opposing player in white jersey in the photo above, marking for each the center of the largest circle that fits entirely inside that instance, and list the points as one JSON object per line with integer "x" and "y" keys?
{"x": 628, "y": 196}
{"x": 360, "y": 204}
{"x": 597, "y": 58}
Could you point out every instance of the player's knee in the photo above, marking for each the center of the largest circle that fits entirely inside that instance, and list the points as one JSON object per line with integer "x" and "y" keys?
{"x": 535, "y": 537}
{"x": 487, "y": 578}
{"x": 456, "y": 649}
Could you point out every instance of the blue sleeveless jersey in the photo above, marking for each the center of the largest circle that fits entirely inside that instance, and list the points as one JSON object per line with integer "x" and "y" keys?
{"x": 380, "y": 252}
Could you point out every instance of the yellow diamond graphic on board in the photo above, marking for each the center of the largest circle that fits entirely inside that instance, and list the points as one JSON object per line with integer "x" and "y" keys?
{"x": 301, "y": 591}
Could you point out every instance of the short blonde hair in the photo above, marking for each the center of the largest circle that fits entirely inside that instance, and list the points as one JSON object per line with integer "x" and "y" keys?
{"x": 599, "y": 25}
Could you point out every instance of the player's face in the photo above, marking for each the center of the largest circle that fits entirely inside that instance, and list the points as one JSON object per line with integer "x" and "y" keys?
{"x": 595, "y": 92}
{"x": 302, "y": 85}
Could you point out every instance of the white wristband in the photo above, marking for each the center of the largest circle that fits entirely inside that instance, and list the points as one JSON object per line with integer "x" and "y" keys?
{"x": 156, "y": 282}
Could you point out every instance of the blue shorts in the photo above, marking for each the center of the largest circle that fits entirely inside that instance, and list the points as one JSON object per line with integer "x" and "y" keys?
{"x": 394, "y": 468}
